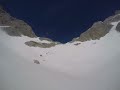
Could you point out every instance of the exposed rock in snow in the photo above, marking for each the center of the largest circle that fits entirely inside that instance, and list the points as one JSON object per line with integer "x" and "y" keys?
{"x": 114, "y": 18}
{"x": 17, "y": 27}
{"x": 118, "y": 27}
{"x": 36, "y": 61}
{"x": 97, "y": 31}
{"x": 77, "y": 44}
{"x": 38, "y": 44}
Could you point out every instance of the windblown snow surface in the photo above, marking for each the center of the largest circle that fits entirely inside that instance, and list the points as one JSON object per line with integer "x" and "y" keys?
{"x": 91, "y": 65}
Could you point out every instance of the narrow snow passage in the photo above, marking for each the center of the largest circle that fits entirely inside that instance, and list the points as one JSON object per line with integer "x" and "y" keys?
{"x": 91, "y": 65}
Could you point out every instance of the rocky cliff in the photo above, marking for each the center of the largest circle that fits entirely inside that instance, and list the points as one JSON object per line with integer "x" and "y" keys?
{"x": 17, "y": 27}
{"x": 99, "y": 29}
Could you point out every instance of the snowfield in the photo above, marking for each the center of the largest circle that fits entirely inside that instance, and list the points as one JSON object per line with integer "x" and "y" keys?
{"x": 90, "y": 65}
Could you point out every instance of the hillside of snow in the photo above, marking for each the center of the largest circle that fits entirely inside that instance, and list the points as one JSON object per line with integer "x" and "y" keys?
{"x": 90, "y": 65}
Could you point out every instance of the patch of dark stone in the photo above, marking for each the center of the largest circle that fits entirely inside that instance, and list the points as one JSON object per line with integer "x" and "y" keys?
{"x": 41, "y": 55}
{"x": 100, "y": 29}
{"x": 36, "y": 62}
{"x": 118, "y": 27}
{"x": 38, "y": 44}
{"x": 17, "y": 27}
{"x": 97, "y": 31}
{"x": 77, "y": 44}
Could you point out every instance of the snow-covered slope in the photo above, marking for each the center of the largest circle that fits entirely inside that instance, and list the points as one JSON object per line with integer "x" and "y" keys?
{"x": 90, "y": 65}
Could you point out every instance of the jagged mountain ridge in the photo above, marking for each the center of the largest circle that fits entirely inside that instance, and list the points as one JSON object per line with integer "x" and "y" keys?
{"x": 19, "y": 27}
{"x": 99, "y": 29}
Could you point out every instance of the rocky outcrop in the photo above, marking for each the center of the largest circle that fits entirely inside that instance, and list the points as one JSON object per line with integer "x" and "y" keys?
{"x": 36, "y": 62}
{"x": 114, "y": 18}
{"x": 50, "y": 43}
{"x": 39, "y": 44}
{"x": 17, "y": 27}
{"x": 118, "y": 27}
{"x": 99, "y": 29}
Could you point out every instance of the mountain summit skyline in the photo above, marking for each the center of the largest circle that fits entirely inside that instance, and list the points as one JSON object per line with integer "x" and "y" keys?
{"x": 60, "y": 20}
{"x": 19, "y": 27}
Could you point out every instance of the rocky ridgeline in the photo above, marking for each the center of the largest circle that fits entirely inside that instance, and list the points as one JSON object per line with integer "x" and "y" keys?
{"x": 99, "y": 29}
{"x": 17, "y": 27}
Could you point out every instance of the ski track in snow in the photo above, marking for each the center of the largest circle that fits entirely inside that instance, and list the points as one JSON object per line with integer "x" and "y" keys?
{"x": 91, "y": 65}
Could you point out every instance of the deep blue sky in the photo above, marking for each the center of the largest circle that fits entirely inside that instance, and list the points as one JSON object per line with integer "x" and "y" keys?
{"x": 61, "y": 20}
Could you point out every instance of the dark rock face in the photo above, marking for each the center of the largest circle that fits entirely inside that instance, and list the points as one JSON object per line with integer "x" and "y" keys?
{"x": 114, "y": 18}
{"x": 97, "y": 31}
{"x": 77, "y": 44}
{"x": 41, "y": 45}
{"x": 118, "y": 27}
{"x": 17, "y": 27}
